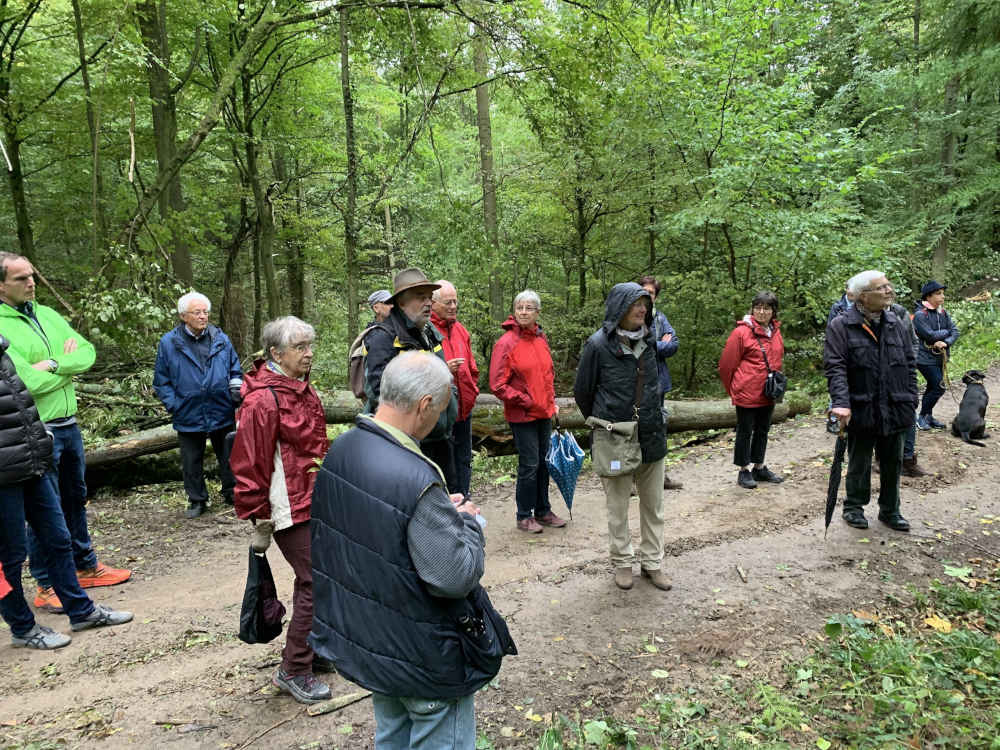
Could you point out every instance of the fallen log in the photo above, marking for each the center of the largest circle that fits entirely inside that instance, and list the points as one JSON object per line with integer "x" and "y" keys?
{"x": 488, "y": 425}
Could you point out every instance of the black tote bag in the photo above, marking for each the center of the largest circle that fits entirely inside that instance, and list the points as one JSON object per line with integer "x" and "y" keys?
{"x": 261, "y": 614}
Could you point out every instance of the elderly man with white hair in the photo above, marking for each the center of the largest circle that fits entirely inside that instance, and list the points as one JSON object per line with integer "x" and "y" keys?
{"x": 198, "y": 379}
{"x": 870, "y": 368}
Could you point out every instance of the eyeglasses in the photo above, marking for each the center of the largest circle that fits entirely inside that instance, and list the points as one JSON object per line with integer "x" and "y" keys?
{"x": 880, "y": 288}
{"x": 198, "y": 313}
{"x": 303, "y": 347}
{"x": 449, "y": 303}
{"x": 525, "y": 308}
{"x": 761, "y": 307}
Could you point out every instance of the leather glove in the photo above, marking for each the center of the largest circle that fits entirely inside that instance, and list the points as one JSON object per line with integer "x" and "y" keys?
{"x": 262, "y": 531}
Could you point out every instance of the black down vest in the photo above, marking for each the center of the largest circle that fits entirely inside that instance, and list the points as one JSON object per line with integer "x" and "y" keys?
{"x": 25, "y": 446}
{"x": 372, "y": 615}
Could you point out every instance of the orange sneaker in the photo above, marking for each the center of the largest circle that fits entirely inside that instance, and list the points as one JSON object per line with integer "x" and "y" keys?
{"x": 102, "y": 575}
{"x": 46, "y": 599}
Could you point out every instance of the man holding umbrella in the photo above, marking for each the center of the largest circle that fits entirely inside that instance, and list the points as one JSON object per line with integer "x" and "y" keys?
{"x": 871, "y": 374}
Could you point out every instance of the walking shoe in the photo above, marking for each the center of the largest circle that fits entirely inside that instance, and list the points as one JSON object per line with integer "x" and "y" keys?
{"x": 657, "y": 578}
{"x": 551, "y": 519}
{"x": 623, "y": 577}
{"x": 911, "y": 468}
{"x": 856, "y": 518}
{"x": 303, "y": 688}
{"x": 746, "y": 479}
{"x": 670, "y": 484}
{"x": 934, "y": 423}
{"x": 102, "y": 616}
{"x": 895, "y": 522}
{"x": 764, "y": 474}
{"x": 102, "y": 575}
{"x": 194, "y": 509}
{"x": 923, "y": 422}
{"x": 47, "y": 600}
{"x": 40, "y": 637}
{"x": 530, "y": 525}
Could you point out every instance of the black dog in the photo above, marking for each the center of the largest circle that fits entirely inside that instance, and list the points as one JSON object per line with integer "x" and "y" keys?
{"x": 970, "y": 422}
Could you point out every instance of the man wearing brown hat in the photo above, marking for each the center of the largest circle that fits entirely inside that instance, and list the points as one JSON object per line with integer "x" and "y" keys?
{"x": 408, "y": 327}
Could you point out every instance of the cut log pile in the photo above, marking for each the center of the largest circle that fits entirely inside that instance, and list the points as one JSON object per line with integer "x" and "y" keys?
{"x": 488, "y": 426}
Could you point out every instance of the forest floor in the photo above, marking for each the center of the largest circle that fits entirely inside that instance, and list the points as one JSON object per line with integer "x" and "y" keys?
{"x": 178, "y": 677}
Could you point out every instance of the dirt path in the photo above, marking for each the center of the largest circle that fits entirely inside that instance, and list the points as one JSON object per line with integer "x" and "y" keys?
{"x": 177, "y": 676}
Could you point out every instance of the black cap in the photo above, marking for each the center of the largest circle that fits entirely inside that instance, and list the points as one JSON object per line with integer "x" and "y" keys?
{"x": 929, "y": 288}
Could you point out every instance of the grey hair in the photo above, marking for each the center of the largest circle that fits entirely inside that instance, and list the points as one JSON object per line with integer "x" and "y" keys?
{"x": 185, "y": 302}
{"x": 412, "y": 375}
{"x": 436, "y": 294}
{"x": 529, "y": 295}
{"x": 6, "y": 258}
{"x": 281, "y": 332}
{"x": 861, "y": 281}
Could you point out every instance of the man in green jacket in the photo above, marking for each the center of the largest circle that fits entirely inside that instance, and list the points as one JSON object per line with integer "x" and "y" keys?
{"x": 47, "y": 353}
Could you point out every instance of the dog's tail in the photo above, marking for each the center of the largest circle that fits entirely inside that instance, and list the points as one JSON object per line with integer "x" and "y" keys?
{"x": 970, "y": 441}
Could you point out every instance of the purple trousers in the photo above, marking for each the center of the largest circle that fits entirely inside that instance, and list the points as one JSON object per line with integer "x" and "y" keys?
{"x": 294, "y": 544}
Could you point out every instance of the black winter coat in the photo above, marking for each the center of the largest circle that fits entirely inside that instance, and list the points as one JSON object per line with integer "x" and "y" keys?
{"x": 25, "y": 446}
{"x": 606, "y": 375}
{"x": 875, "y": 379}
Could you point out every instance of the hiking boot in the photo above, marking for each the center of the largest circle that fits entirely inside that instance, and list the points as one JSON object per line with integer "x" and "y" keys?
{"x": 303, "y": 688}
{"x": 551, "y": 519}
{"x": 102, "y": 575}
{"x": 623, "y": 577}
{"x": 40, "y": 637}
{"x": 895, "y": 522}
{"x": 530, "y": 525}
{"x": 47, "y": 600}
{"x": 670, "y": 484}
{"x": 657, "y": 578}
{"x": 746, "y": 479}
{"x": 923, "y": 422}
{"x": 764, "y": 474}
{"x": 911, "y": 468}
{"x": 194, "y": 509}
{"x": 856, "y": 519}
{"x": 935, "y": 424}
{"x": 101, "y": 617}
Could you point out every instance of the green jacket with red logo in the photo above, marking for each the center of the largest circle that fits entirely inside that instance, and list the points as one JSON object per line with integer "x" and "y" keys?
{"x": 32, "y": 342}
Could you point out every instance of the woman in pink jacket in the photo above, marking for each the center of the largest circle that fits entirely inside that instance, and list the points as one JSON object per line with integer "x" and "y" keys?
{"x": 743, "y": 371}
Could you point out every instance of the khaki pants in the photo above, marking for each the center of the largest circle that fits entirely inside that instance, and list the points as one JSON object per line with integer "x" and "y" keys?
{"x": 649, "y": 479}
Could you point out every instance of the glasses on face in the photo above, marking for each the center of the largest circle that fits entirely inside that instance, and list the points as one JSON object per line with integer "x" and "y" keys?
{"x": 762, "y": 308}
{"x": 302, "y": 347}
{"x": 525, "y": 308}
{"x": 885, "y": 288}
{"x": 198, "y": 313}
{"x": 449, "y": 302}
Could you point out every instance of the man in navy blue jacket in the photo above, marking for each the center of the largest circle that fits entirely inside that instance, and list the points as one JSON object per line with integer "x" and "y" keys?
{"x": 937, "y": 333}
{"x": 198, "y": 379}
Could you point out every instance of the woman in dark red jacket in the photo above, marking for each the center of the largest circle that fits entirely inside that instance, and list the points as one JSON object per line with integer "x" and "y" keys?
{"x": 522, "y": 376}
{"x": 280, "y": 443}
{"x": 743, "y": 373}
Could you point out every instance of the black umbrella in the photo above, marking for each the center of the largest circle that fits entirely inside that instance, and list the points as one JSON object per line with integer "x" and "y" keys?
{"x": 835, "y": 468}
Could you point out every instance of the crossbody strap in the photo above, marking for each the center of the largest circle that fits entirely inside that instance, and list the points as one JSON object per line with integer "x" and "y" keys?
{"x": 762, "y": 351}
{"x": 639, "y": 377}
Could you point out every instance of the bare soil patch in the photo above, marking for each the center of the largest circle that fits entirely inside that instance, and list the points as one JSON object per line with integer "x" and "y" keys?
{"x": 178, "y": 677}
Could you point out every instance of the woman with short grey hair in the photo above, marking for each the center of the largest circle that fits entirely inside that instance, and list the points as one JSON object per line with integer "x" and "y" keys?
{"x": 523, "y": 378}
{"x": 280, "y": 441}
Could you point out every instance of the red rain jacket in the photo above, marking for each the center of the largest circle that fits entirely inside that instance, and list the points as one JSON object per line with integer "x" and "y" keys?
{"x": 521, "y": 373}
{"x": 457, "y": 343}
{"x": 742, "y": 368}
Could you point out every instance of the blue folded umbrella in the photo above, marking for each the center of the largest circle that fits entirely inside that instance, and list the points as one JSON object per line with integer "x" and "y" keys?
{"x": 564, "y": 460}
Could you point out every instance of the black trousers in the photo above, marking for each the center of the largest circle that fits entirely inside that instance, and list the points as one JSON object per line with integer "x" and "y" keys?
{"x": 193, "y": 459}
{"x": 752, "y": 425}
{"x": 860, "y": 448}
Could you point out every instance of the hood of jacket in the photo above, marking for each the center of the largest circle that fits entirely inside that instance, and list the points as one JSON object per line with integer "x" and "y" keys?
{"x": 512, "y": 325}
{"x": 262, "y": 377}
{"x": 620, "y": 298}
{"x": 750, "y": 322}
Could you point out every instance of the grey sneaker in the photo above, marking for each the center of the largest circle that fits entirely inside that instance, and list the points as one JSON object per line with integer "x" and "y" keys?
{"x": 102, "y": 616}
{"x": 303, "y": 688}
{"x": 40, "y": 637}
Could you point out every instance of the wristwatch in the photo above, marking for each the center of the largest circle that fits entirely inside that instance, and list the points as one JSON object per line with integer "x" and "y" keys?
{"x": 53, "y": 365}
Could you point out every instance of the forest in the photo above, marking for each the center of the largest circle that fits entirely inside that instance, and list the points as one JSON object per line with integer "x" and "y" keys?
{"x": 288, "y": 156}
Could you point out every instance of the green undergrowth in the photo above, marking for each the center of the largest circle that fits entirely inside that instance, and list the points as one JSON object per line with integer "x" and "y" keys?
{"x": 925, "y": 676}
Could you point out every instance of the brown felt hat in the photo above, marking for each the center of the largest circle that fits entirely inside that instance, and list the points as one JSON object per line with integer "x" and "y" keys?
{"x": 410, "y": 278}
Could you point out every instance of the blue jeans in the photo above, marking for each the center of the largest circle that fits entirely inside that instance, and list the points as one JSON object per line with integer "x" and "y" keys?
{"x": 423, "y": 724}
{"x": 37, "y": 503}
{"x": 68, "y": 468}
{"x": 934, "y": 390}
{"x": 532, "y": 442}
{"x": 461, "y": 446}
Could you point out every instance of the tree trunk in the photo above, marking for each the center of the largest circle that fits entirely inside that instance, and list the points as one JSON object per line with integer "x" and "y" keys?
{"x": 15, "y": 177}
{"x": 939, "y": 260}
{"x": 580, "y": 241}
{"x": 99, "y": 234}
{"x": 488, "y": 424}
{"x": 296, "y": 263}
{"x": 350, "y": 218}
{"x": 497, "y": 308}
{"x": 153, "y": 28}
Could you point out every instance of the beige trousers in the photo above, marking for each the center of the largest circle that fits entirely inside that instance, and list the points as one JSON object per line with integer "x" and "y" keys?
{"x": 649, "y": 480}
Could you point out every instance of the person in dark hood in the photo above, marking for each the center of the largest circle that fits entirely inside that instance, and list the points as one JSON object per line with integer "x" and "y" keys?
{"x": 523, "y": 378}
{"x": 936, "y": 332}
{"x": 279, "y": 444}
{"x": 743, "y": 371}
{"x": 617, "y": 381}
